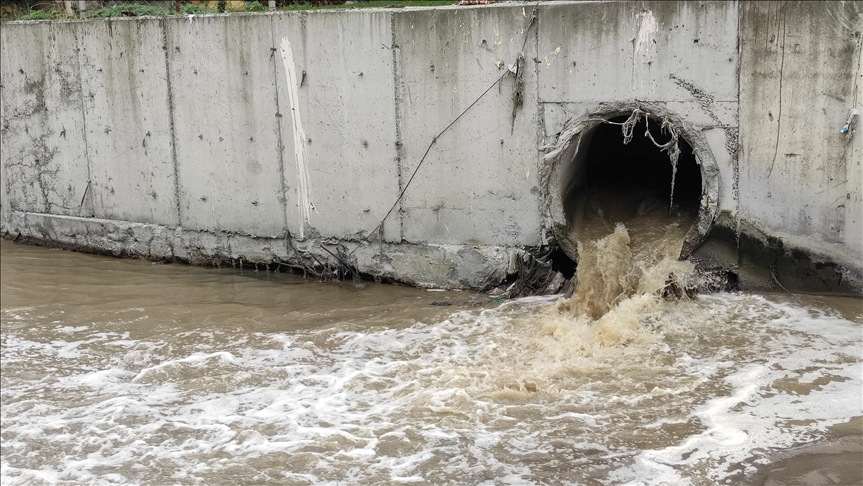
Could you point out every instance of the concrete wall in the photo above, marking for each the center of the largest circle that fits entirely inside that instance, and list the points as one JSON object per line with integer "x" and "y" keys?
{"x": 282, "y": 138}
{"x": 801, "y": 178}
{"x": 229, "y": 172}
{"x": 46, "y": 167}
{"x": 475, "y": 185}
{"x": 128, "y": 128}
{"x": 334, "y": 74}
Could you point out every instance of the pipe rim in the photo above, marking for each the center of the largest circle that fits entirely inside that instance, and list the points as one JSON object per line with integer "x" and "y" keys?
{"x": 569, "y": 143}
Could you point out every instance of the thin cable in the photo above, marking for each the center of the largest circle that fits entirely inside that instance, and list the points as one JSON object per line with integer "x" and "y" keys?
{"x": 530, "y": 22}
{"x": 404, "y": 189}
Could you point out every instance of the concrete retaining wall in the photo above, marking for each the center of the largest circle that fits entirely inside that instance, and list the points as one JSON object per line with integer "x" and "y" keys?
{"x": 287, "y": 137}
{"x": 801, "y": 179}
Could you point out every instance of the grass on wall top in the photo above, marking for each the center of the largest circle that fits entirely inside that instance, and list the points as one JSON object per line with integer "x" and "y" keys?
{"x": 143, "y": 9}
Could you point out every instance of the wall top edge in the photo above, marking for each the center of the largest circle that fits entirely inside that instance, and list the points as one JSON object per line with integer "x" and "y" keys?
{"x": 340, "y": 11}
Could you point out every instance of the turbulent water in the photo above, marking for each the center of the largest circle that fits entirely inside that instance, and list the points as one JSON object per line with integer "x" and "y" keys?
{"x": 122, "y": 371}
{"x": 628, "y": 243}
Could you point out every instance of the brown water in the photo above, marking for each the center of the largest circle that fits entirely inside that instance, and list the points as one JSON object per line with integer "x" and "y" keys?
{"x": 123, "y": 371}
{"x": 628, "y": 243}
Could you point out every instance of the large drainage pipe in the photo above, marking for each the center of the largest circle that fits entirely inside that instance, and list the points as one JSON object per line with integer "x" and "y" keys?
{"x": 567, "y": 162}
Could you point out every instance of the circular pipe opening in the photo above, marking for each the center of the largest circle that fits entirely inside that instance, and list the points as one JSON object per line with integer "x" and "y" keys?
{"x": 591, "y": 155}
{"x": 638, "y": 167}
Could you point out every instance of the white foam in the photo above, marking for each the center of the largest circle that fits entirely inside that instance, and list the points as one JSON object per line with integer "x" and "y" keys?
{"x": 746, "y": 420}
{"x": 451, "y": 401}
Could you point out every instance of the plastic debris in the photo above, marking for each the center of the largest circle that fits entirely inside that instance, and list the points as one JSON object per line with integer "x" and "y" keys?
{"x": 850, "y": 124}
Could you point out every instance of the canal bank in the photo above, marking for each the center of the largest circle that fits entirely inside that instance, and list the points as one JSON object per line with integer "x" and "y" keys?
{"x": 436, "y": 146}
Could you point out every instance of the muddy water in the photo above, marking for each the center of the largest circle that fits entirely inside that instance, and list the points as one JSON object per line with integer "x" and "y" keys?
{"x": 628, "y": 243}
{"x": 121, "y": 371}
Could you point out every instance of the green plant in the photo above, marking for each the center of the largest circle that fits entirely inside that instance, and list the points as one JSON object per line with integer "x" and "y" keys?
{"x": 126, "y": 10}
{"x": 192, "y": 9}
{"x": 298, "y": 5}
{"x": 139, "y": 9}
{"x": 50, "y": 14}
{"x": 255, "y": 7}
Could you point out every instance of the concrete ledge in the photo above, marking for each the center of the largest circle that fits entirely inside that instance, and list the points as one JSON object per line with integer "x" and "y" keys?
{"x": 763, "y": 262}
{"x": 432, "y": 266}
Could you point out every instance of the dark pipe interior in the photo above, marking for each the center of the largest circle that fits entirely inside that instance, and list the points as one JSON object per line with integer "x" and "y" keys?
{"x": 640, "y": 165}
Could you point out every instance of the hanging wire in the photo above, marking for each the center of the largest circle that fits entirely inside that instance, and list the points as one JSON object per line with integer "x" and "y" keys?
{"x": 405, "y": 188}
{"x": 518, "y": 96}
{"x": 671, "y": 148}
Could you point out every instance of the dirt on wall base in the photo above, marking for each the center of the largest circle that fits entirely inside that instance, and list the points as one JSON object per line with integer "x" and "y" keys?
{"x": 767, "y": 263}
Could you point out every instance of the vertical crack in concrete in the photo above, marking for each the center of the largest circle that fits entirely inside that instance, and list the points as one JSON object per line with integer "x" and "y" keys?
{"x": 779, "y": 116}
{"x": 5, "y": 203}
{"x": 542, "y": 177}
{"x": 399, "y": 145}
{"x": 84, "y": 126}
{"x": 280, "y": 145}
{"x": 166, "y": 50}
{"x": 741, "y": 21}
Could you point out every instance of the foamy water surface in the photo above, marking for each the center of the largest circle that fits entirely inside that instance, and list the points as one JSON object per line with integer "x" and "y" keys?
{"x": 115, "y": 371}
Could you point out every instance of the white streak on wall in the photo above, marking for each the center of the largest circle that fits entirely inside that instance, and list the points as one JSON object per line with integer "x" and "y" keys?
{"x": 647, "y": 28}
{"x": 303, "y": 186}
{"x": 553, "y": 55}
{"x": 645, "y": 46}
